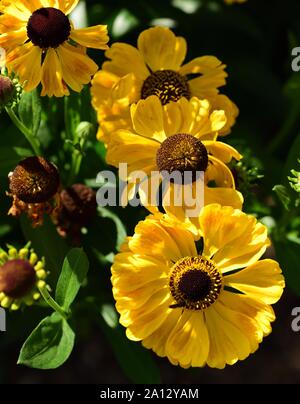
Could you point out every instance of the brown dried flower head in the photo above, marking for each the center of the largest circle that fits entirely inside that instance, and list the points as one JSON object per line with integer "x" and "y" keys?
{"x": 34, "y": 180}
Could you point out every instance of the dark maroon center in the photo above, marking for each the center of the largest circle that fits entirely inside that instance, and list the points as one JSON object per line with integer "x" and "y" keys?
{"x": 184, "y": 153}
{"x": 168, "y": 85}
{"x": 195, "y": 285}
{"x": 17, "y": 278}
{"x": 7, "y": 90}
{"x": 48, "y": 27}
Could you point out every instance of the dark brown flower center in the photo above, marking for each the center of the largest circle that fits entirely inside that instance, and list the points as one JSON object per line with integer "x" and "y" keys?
{"x": 48, "y": 27}
{"x": 7, "y": 90}
{"x": 167, "y": 85}
{"x": 79, "y": 203}
{"x": 195, "y": 283}
{"x": 17, "y": 278}
{"x": 184, "y": 153}
{"x": 34, "y": 180}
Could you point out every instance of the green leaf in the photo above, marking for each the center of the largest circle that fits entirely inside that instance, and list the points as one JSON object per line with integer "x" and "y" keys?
{"x": 46, "y": 243}
{"x": 288, "y": 255}
{"x": 49, "y": 345}
{"x": 30, "y": 111}
{"x": 136, "y": 362}
{"x": 73, "y": 274}
{"x": 283, "y": 195}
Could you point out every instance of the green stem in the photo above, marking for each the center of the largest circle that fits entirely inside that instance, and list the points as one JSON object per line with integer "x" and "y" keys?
{"x": 52, "y": 303}
{"x": 26, "y": 132}
{"x": 75, "y": 166}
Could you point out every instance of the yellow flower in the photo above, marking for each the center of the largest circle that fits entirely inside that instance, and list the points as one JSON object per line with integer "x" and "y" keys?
{"x": 195, "y": 307}
{"x": 155, "y": 67}
{"x": 43, "y": 46}
{"x": 179, "y": 136}
{"x": 21, "y": 274}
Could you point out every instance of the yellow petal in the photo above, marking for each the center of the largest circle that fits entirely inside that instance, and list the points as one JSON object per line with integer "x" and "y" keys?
{"x": 186, "y": 116}
{"x": 156, "y": 236}
{"x": 27, "y": 66}
{"x": 184, "y": 239}
{"x": 177, "y": 117}
{"x": 138, "y": 152}
{"x": 148, "y": 193}
{"x": 180, "y": 212}
{"x": 262, "y": 280}
{"x": 221, "y": 102}
{"x": 52, "y": 76}
{"x": 211, "y": 74}
{"x": 147, "y": 319}
{"x": 161, "y": 49}
{"x": 92, "y": 37}
{"x": 131, "y": 272}
{"x": 147, "y": 119}
{"x": 66, "y": 6}
{"x": 188, "y": 343}
{"x": 19, "y": 9}
{"x": 124, "y": 90}
{"x": 111, "y": 97}
{"x": 102, "y": 85}
{"x": 111, "y": 123}
{"x": 208, "y": 128}
{"x": 158, "y": 339}
{"x": 222, "y": 151}
{"x": 135, "y": 299}
{"x": 77, "y": 68}
{"x": 255, "y": 309}
{"x": 245, "y": 251}
{"x": 231, "y": 236}
{"x": 224, "y": 197}
{"x": 218, "y": 172}
{"x": 125, "y": 59}
{"x": 13, "y": 39}
{"x": 232, "y": 336}
{"x": 193, "y": 116}
{"x": 10, "y": 23}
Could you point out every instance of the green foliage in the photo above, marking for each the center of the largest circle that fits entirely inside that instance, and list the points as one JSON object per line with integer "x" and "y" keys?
{"x": 30, "y": 111}
{"x": 283, "y": 195}
{"x": 52, "y": 341}
{"x": 47, "y": 243}
{"x": 49, "y": 345}
{"x": 73, "y": 273}
{"x": 294, "y": 182}
{"x": 136, "y": 362}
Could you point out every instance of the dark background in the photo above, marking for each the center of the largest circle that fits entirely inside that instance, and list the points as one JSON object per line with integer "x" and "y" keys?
{"x": 255, "y": 41}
